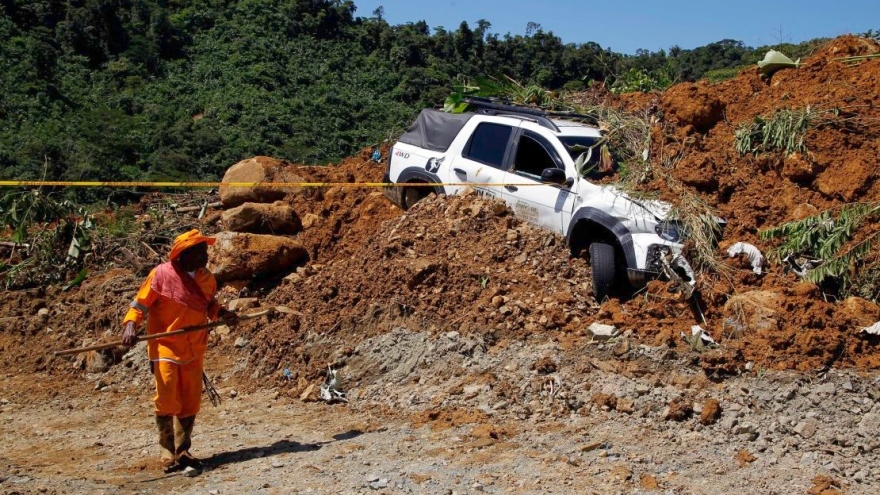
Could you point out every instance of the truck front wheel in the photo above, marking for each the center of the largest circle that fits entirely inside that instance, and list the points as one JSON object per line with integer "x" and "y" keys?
{"x": 604, "y": 267}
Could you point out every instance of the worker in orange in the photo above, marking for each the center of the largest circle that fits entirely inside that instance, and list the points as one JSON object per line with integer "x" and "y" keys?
{"x": 177, "y": 294}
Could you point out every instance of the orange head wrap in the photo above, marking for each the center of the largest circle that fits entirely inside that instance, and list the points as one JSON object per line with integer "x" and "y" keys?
{"x": 188, "y": 240}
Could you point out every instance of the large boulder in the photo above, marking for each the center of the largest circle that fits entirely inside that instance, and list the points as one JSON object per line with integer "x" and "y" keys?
{"x": 257, "y": 169}
{"x": 261, "y": 218}
{"x": 238, "y": 256}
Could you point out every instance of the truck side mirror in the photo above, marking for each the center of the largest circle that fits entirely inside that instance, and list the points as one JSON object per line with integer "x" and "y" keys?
{"x": 555, "y": 176}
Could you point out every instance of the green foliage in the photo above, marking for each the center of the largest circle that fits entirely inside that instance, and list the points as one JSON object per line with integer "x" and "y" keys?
{"x": 148, "y": 90}
{"x": 784, "y": 131}
{"x": 845, "y": 242}
{"x": 641, "y": 80}
{"x": 719, "y": 75}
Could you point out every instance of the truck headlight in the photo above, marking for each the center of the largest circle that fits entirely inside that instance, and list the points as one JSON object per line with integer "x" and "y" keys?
{"x": 670, "y": 230}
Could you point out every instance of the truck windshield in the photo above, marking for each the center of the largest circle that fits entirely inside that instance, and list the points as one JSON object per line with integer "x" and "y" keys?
{"x": 583, "y": 145}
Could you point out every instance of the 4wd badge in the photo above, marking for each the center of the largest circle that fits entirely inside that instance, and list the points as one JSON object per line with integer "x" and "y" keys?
{"x": 402, "y": 154}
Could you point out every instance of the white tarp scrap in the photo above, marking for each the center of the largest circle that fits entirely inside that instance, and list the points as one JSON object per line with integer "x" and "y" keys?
{"x": 753, "y": 253}
{"x": 329, "y": 391}
{"x": 699, "y": 338}
{"x": 801, "y": 264}
{"x": 873, "y": 329}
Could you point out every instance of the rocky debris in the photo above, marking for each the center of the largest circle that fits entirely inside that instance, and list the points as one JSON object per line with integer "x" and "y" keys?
{"x": 258, "y": 169}
{"x": 257, "y": 218}
{"x": 237, "y": 256}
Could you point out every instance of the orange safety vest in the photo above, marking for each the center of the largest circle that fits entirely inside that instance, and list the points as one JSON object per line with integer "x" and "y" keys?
{"x": 166, "y": 315}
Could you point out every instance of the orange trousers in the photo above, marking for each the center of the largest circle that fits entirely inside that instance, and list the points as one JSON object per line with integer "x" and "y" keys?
{"x": 178, "y": 388}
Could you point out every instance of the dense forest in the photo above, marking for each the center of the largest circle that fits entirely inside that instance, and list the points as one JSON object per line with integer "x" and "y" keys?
{"x": 181, "y": 89}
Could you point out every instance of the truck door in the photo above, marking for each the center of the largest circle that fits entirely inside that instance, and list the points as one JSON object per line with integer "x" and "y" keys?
{"x": 540, "y": 203}
{"x": 483, "y": 159}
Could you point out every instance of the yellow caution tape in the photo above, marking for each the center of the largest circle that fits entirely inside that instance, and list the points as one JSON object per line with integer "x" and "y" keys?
{"x": 43, "y": 183}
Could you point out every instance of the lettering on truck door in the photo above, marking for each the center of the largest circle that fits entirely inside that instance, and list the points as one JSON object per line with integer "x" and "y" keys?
{"x": 539, "y": 203}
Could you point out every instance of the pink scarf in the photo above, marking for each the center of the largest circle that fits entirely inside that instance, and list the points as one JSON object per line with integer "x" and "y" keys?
{"x": 173, "y": 283}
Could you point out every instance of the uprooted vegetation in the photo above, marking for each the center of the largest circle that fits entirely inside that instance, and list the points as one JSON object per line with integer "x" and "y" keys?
{"x": 49, "y": 239}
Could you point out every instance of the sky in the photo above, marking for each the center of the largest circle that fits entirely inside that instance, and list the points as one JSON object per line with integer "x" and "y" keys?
{"x": 627, "y": 25}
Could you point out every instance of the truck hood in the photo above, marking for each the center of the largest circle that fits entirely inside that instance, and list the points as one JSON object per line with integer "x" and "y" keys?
{"x": 638, "y": 215}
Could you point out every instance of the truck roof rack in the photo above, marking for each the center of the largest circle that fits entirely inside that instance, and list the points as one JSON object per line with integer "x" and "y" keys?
{"x": 491, "y": 106}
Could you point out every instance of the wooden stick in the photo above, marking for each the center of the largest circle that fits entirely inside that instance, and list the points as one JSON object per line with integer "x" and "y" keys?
{"x": 186, "y": 209}
{"x": 13, "y": 245}
{"x": 108, "y": 345}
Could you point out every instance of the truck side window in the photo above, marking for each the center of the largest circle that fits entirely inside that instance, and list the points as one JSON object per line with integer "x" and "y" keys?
{"x": 488, "y": 144}
{"x": 532, "y": 158}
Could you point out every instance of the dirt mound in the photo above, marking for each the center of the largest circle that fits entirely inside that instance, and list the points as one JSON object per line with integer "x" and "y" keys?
{"x": 36, "y": 322}
{"x": 463, "y": 263}
{"x": 697, "y": 123}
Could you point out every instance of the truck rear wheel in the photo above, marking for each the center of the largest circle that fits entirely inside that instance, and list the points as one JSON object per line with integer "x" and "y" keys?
{"x": 603, "y": 264}
{"x": 412, "y": 195}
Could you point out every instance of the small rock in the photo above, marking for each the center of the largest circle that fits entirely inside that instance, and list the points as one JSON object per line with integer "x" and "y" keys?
{"x": 807, "y": 428}
{"x": 621, "y": 348}
{"x": 191, "y": 472}
{"x": 241, "y": 342}
{"x": 380, "y": 484}
{"x": 827, "y": 388}
{"x": 620, "y": 473}
{"x": 710, "y": 412}
{"x": 233, "y": 393}
{"x": 869, "y": 425}
{"x": 602, "y": 332}
{"x": 277, "y": 464}
{"x": 243, "y": 303}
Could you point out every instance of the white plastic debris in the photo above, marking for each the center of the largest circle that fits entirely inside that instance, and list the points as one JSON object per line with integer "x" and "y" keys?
{"x": 686, "y": 284}
{"x": 600, "y": 331}
{"x": 753, "y": 253}
{"x": 330, "y": 389}
{"x": 801, "y": 265}
{"x": 699, "y": 338}
{"x": 873, "y": 329}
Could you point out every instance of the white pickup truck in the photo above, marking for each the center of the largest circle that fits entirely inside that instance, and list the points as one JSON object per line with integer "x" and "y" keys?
{"x": 540, "y": 166}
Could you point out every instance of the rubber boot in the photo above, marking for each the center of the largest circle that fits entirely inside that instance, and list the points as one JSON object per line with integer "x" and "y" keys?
{"x": 183, "y": 429}
{"x": 166, "y": 441}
